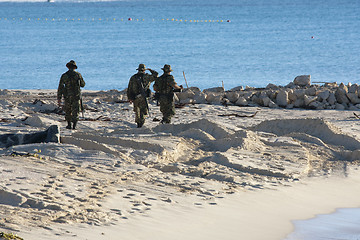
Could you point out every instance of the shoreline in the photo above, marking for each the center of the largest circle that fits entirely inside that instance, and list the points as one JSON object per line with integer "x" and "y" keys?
{"x": 215, "y": 165}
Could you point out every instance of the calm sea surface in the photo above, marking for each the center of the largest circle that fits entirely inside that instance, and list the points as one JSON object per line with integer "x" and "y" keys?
{"x": 264, "y": 41}
{"x": 341, "y": 225}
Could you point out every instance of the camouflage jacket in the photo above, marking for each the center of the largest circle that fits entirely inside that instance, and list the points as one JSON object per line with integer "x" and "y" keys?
{"x": 164, "y": 84}
{"x": 134, "y": 87}
{"x": 69, "y": 85}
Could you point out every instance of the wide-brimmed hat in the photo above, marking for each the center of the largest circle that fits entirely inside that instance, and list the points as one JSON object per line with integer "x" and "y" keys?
{"x": 167, "y": 68}
{"x": 141, "y": 67}
{"x": 71, "y": 64}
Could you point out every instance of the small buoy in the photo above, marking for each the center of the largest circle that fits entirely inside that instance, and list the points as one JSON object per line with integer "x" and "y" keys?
{"x": 312, "y": 37}
{"x": 228, "y": 21}
{"x": 130, "y": 19}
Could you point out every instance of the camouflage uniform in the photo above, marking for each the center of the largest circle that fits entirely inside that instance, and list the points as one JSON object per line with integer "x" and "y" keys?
{"x": 164, "y": 87}
{"x": 134, "y": 92}
{"x": 69, "y": 87}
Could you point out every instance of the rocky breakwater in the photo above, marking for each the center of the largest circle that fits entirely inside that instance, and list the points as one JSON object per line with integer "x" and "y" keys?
{"x": 299, "y": 93}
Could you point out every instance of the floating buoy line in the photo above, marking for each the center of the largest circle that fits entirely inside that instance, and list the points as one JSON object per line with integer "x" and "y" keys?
{"x": 113, "y": 20}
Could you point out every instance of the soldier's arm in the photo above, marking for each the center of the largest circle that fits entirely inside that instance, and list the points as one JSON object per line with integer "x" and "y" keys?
{"x": 82, "y": 82}
{"x": 130, "y": 92}
{"x": 173, "y": 84}
{"x": 153, "y": 75}
{"x": 60, "y": 90}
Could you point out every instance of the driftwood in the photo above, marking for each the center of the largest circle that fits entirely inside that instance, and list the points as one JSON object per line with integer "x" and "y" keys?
{"x": 357, "y": 116}
{"x": 100, "y": 118}
{"x": 237, "y": 115}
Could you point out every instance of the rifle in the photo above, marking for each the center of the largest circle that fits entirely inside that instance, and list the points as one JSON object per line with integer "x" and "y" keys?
{"x": 81, "y": 102}
{"x": 82, "y": 106}
{"x": 143, "y": 94}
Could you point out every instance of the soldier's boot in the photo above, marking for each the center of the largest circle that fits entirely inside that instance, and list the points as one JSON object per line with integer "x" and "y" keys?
{"x": 140, "y": 124}
{"x": 165, "y": 120}
{"x": 69, "y": 125}
{"x": 74, "y": 124}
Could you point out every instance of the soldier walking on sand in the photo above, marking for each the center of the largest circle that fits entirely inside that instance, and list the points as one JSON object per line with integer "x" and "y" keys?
{"x": 165, "y": 86}
{"x": 69, "y": 87}
{"x": 139, "y": 90}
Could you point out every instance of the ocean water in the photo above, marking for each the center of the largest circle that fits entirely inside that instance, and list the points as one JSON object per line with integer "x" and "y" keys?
{"x": 215, "y": 42}
{"x": 341, "y": 225}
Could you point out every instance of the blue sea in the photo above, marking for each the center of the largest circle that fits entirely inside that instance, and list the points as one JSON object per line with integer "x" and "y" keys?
{"x": 341, "y": 225}
{"x": 214, "y": 42}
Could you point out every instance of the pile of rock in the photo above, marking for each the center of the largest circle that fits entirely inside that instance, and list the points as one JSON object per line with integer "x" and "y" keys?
{"x": 298, "y": 94}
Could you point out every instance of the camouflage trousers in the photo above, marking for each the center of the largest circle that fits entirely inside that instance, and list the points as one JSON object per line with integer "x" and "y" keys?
{"x": 167, "y": 108}
{"x": 140, "y": 110}
{"x": 72, "y": 109}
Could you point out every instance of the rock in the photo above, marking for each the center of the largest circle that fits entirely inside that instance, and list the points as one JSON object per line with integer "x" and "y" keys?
{"x": 340, "y": 95}
{"x": 214, "y": 90}
{"x": 232, "y": 96}
{"x": 273, "y": 105}
{"x": 236, "y": 89}
{"x": 299, "y": 93}
{"x": 282, "y": 98}
{"x": 291, "y": 85}
{"x": 299, "y": 103}
{"x": 200, "y": 98}
{"x": 266, "y": 101}
{"x": 324, "y": 95}
{"x": 339, "y": 106}
{"x": 247, "y": 95}
{"x": 354, "y": 99}
{"x": 331, "y": 99}
{"x": 290, "y": 106}
{"x": 302, "y": 80}
{"x": 214, "y": 98}
{"x": 316, "y": 105}
{"x": 257, "y": 100}
{"x": 353, "y": 108}
{"x": 311, "y": 91}
{"x": 309, "y": 99}
{"x": 182, "y": 96}
{"x": 353, "y": 88}
{"x": 343, "y": 86}
{"x": 193, "y": 89}
{"x": 292, "y": 96}
{"x": 241, "y": 102}
{"x": 272, "y": 86}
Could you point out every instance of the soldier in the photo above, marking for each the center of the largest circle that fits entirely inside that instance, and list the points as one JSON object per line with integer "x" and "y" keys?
{"x": 139, "y": 90}
{"x": 165, "y": 86}
{"x": 69, "y": 87}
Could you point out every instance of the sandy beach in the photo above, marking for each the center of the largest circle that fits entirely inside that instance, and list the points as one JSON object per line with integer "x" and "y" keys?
{"x": 216, "y": 172}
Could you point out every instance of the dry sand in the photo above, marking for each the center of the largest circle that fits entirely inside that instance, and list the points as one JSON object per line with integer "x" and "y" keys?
{"x": 204, "y": 176}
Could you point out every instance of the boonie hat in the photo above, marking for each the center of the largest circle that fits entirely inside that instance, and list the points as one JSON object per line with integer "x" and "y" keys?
{"x": 141, "y": 67}
{"x": 71, "y": 64}
{"x": 167, "y": 68}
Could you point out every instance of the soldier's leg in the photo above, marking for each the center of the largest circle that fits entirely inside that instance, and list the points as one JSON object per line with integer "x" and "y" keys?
{"x": 75, "y": 113}
{"x": 137, "y": 112}
{"x": 143, "y": 111}
{"x": 167, "y": 108}
{"x": 67, "y": 110}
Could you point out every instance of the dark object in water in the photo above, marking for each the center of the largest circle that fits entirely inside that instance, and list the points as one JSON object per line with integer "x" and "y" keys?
{"x": 52, "y": 134}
